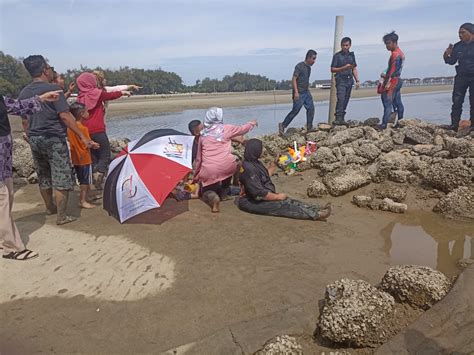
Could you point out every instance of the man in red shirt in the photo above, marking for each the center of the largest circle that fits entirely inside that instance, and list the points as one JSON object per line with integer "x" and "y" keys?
{"x": 391, "y": 96}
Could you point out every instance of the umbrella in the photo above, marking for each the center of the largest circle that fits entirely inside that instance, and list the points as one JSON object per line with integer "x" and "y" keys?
{"x": 143, "y": 174}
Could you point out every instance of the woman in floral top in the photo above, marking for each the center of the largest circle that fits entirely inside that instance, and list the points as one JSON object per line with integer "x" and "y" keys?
{"x": 13, "y": 247}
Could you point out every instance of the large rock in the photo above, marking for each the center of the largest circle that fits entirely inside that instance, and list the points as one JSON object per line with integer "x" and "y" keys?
{"x": 401, "y": 176}
{"x": 316, "y": 189}
{"x": 427, "y": 149}
{"x": 354, "y": 313}
{"x": 416, "y": 123}
{"x": 346, "y": 179}
{"x": 447, "y": 175}
{"x": 392, "y": 206}
{"x": 395, "y": 160}
{"x": 317, "y": 136}
{"x": 368, "y": 151}
{"x": 323, "y": 155}
{"x": 391, "y": 191}
{"x": 23, "y": 162}
{"x": 281, "y": 345}
{"x": 458, "y": 203}
{"x": 345, "y": 136}
{"x": 362, "y": 200}
{"x": 417, "y": 135}
{"x": 274, "y": 144}
{"x": 458, "y": 147}
{"x": 420, "y": 286}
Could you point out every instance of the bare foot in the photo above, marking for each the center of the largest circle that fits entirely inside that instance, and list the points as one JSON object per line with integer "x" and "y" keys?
{"x": 215, "y": 205}
{"x": 86, "y": 205}
{"x": 324, "y": 214}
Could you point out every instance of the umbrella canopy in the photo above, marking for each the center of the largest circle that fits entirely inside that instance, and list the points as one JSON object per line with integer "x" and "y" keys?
{"x": 146, "y": 171}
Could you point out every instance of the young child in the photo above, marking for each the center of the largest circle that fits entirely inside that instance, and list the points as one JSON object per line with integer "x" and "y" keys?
{"x": 80, "y": 154}
{"x": 186, "y": 189}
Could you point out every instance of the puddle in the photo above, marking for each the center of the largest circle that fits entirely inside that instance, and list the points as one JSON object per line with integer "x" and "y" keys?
{"x": 429, "y": 240}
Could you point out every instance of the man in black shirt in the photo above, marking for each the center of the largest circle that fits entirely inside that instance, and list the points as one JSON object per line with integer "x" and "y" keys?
{"x": 463, "y": 54}
{"x": 345, "y": 68}
{"x": 301, "y": 94}
{"x": 47, "y": 138}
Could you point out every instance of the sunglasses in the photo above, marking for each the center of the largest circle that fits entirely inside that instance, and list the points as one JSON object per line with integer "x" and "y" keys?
{"x": 49, "y": 67}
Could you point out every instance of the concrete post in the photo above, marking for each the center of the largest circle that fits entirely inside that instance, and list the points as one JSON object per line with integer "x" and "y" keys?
{"x": 337, "y": 47}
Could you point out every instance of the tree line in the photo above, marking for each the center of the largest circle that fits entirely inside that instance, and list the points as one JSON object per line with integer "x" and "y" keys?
{"x": 13, "y": 77}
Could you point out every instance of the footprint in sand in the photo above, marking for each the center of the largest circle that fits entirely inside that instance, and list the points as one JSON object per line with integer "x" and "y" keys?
{"x": 75, "y": 263}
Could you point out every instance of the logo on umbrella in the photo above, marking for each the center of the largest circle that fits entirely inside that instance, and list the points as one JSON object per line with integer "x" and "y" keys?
{"x": 174, "y": 149}
{"x": 128, "y": 184}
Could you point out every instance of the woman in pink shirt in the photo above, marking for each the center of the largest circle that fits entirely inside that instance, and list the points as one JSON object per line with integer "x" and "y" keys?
{"x": 95, "y": 98}
{"x": 215, "y": 163}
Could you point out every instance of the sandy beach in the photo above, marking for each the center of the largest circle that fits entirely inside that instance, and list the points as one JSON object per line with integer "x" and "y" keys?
{"x": 145, "y": 287}
{"x": 171, "y": 278}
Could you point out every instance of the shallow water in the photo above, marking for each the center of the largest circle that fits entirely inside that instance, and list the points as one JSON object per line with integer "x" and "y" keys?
{"x": 435, "y": 107}
{"x": 429, "y": 240}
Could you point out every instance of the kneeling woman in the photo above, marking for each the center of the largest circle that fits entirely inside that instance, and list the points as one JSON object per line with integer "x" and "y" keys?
{"x": 259, "y": 195}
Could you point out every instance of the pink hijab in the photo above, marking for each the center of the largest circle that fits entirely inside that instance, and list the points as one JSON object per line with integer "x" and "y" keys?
{"x": 89, "y": 93}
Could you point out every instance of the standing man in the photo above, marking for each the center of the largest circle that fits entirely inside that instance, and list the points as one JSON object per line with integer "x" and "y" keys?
{"x": 345, "y": 68}
{"x": 462, "y": 53}
{"x": 47, "y": 137}
{"x": 392, "y": 83}
{"x": 301, "y": 94}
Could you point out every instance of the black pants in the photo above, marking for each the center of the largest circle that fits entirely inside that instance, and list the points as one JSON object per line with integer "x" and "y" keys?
{"x": 288, "y": 208}
{"x": 343, "y": 92}
{"x": 461, "y": 84}
{"x": 221, "y": 188}
{"x": 101, "y": 156}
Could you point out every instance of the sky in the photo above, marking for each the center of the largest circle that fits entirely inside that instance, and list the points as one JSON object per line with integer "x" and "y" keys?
{"x": 213, "y": 38}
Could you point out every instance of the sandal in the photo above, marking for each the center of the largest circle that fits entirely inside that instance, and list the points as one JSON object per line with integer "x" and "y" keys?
{"x": 21, "y": 255}
{"x": 66, "y": 219}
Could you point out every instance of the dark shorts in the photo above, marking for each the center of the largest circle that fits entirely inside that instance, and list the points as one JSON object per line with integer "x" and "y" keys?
{"x": 53, "y": 166}
{"x": 84, "y": 174}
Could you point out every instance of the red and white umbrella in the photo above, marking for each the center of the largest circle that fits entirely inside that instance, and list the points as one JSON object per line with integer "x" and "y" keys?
{"x": 141, "y": 177}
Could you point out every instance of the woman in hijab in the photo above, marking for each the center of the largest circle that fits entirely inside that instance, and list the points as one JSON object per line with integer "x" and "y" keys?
{"x": 10, "y": 240}
{"x": 259, "y": 195}
{"x": 215, "y": 163}
{"x": 462, "y": 53}
{"x": 95, "y": 98}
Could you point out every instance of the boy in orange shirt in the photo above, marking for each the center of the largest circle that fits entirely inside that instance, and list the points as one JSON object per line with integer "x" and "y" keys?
{"x": 80, "y": 154}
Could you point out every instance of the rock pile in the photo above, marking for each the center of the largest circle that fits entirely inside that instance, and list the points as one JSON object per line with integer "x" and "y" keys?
{"x": 281, "y": 345}
{"x": 357, "y": 314}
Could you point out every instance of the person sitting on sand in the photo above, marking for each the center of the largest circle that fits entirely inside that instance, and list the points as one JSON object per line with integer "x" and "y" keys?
{"x": 259, "y": 195}
{"x": 215, "y": 163}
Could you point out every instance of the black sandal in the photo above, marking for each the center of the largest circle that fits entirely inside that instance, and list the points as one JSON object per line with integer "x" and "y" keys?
{"x": 21, "y": 255}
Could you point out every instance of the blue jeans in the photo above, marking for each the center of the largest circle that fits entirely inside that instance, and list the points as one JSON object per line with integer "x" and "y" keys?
{"x": 307, "y": 100}
{"x": 343, "y": 93}
{"x": 392, "y": 99}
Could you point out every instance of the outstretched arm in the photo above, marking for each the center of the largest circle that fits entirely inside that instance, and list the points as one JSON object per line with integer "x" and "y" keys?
{"x": 232, "y": 131}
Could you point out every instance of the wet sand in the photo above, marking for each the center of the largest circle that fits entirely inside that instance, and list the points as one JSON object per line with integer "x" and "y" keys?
{"x": 150, "y": 105}
{"x": 102, "y": 287}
